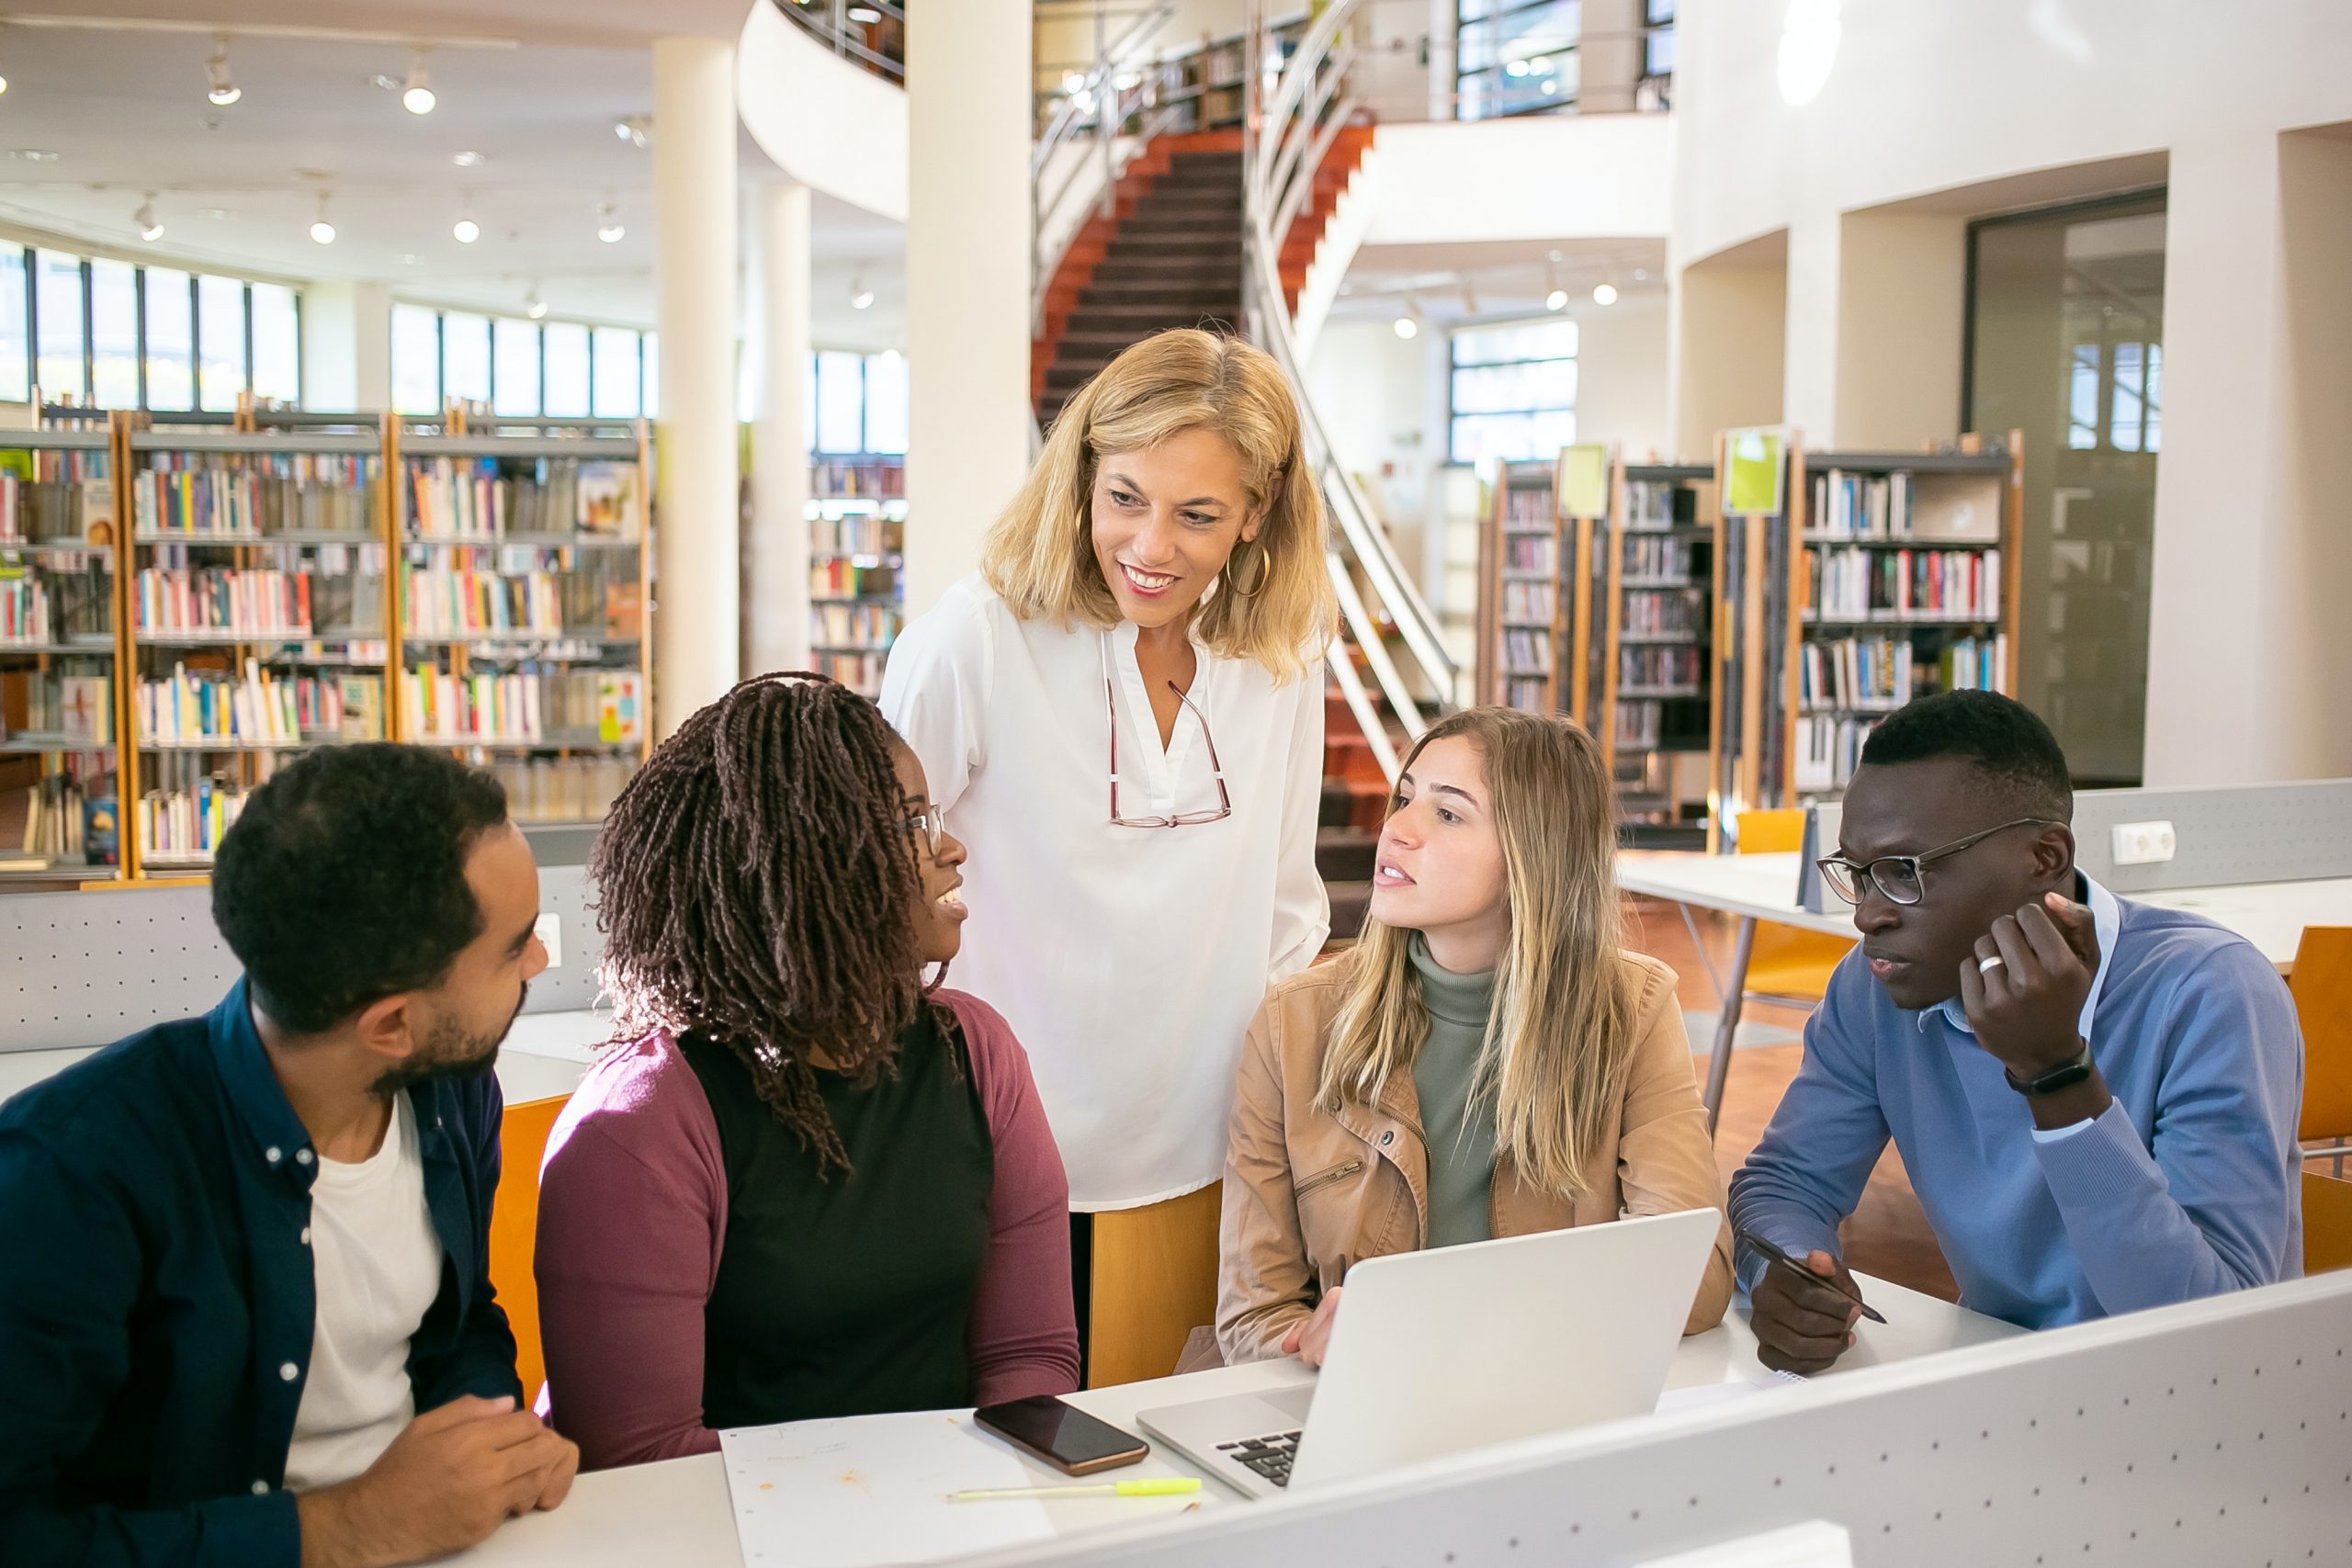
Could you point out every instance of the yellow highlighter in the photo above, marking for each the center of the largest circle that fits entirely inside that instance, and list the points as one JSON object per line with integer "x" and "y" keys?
{"x": 1161, "y": 1487}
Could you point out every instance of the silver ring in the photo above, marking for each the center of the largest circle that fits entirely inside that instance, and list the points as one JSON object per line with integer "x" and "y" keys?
{"x": 1986, "y": 965}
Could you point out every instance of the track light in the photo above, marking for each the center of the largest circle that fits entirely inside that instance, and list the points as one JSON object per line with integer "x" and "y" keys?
{"x": 1557, "y": 300}
{"x": 465, "y": 231}
{"x": 608, "y": 225}
{"x": 220, "y": 90}
{"x": 1409, "y": 325}
{"x": 1604, "y": 294}
{"x": 321, "y": 231}
{"x": 148, "y": 229}
{"x": 635, "y": 129}
{"x": 533, "y": 306}
{"x": 860, "y": 297}
{"x": 417, "y": 97}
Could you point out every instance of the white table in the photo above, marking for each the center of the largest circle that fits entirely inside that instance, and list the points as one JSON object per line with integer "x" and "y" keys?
{"x": 679, "y": 1512}
{"x": 2271, "y": 915}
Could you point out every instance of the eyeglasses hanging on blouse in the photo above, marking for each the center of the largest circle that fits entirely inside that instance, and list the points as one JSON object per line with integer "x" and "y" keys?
{"x": 1182, "y": 819}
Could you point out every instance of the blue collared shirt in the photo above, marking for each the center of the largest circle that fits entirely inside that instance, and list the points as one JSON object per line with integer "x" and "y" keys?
{"x": 157, "y": 1300}
{"x": 2185, "y": 1185}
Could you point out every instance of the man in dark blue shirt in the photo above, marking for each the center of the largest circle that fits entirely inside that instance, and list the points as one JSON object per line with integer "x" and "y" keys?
{"x": 246, "y": 1315}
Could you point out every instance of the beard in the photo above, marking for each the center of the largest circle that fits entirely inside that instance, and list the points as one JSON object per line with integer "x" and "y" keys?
{"x": 447, "y": 1050}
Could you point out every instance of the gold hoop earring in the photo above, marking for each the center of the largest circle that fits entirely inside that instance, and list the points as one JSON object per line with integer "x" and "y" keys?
{"x": 1265, "y": 569}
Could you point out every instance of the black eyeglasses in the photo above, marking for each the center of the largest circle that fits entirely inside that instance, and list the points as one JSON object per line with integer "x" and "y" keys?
{"x": 1903, "y": 878}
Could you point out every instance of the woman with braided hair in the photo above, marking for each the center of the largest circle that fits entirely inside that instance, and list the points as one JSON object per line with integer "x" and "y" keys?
{"x": 805, "y": 1180}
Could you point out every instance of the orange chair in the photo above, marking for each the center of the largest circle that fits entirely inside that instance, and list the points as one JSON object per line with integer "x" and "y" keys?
{"x": 2322, "y": 983}
{"x": 514, "y": 1230}
{"x": 1153, "y": 1282}
{"x": 1786, "y": 964}
{"x": 2327, "y": 1222}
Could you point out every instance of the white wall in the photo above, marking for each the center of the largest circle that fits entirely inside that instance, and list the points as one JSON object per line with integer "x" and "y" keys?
{"x": 1371, "y": 387}
{"x": 1925, "y": 98}
{"x": 1621, "y": 375}
{"x": 833, "y": 126}
{"x": 1542, "y": 177}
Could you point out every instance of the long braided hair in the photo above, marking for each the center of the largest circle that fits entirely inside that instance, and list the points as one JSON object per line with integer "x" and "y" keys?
{"x": 757, "y": 886}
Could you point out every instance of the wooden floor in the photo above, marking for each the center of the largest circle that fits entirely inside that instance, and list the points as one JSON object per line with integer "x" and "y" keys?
{"x": 1888, "y": 1234}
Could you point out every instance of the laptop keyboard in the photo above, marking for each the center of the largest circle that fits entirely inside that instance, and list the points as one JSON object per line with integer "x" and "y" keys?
{"x": 1270, "y": 1456}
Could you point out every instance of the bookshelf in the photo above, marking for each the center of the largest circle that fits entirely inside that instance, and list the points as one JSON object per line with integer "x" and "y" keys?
{"x": 1873, "y": 577}
{"x": 521, "y": 607}
{"x": 1652, "y": 574}
{"x": 857, "y": 523}
{"x": 59, "y": 708}
{"x": 1519, "y": 624}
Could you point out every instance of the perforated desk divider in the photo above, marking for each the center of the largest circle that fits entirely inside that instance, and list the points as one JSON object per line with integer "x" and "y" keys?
{"x": 2281, "y": 832}
{"x": 79, "y": 969}
{"x": 2214, "y": 1433}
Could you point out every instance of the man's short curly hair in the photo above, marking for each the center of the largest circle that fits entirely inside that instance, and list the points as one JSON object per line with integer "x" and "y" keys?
{"x": 343, "y": 880}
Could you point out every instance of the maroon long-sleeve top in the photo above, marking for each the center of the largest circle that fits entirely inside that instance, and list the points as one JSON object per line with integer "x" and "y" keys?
{"x": 633, "y": 1215}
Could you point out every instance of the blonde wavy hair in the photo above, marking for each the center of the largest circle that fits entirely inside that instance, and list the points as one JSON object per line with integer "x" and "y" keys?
{"x": 1560, "y": 1037}
{"x": 1039, "y": 555}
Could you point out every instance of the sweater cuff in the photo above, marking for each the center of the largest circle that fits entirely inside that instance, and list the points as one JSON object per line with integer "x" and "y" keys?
{"x": 2103, "y": 1165}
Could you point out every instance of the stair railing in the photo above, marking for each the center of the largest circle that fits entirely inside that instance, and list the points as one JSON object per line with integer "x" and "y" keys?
{"x": 1295, "y": 109}
{"x": 1114, "y": 89}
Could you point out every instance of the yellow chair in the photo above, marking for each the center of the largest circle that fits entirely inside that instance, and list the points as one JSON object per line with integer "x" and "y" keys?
{"x": 2327, "y": 1222}
{"x": 514, "y": 1230}
{"x": 2322, "y": 983}
{"x": 1154, "y": 1280}
{"x": 1786, "y": 964}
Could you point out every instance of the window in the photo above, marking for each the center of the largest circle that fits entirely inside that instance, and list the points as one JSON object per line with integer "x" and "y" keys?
{"x": 220, "y": 342}
{"x": 15, "y": 339}
{"x": 114, "y": 334}
{"x": 886, "y": 403}
{"x": 1655, "y": 90}
{"x": 616, "y": 390}
{"x": 652, "y": 374}
{"x": 1516, "y": 56}
{"x": 278, "y": 343}
{"x": 417, "y": 360}
{"x": 514, "y": 361}
{"x": 841, "y": 401}
{"x": 565, "y": 379}
{"x": 465, "y": 357}
{"x": 1514, "y": 392}
{"x": 171, "y": 340}
{"x": 63, "y": 361}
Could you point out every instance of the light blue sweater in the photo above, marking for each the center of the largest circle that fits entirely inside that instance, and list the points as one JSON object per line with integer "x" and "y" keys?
{"x": 2187, "y": 1186}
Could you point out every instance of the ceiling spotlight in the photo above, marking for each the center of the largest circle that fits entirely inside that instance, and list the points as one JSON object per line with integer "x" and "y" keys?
{"x": 608, "y": 225}
{"x": 465, "y": 231}
{"x": 1554, "y": 296}
{"x": 533, "y": 306}
{"x": 148, "y": 229}
{"x": 417, "y": 97}
{"x": 1409, "y": 325}
{"x": 635, "y": 129}
{"x": 1604, "y": 294}
{"x": 860, "y": 297}
{"x": 1641, "y": 275}
{"x": 220, "y": 90}
{"x": 321, "y": 230}
{"x": 1557, "y": 300}
{"x": 34, "y": 155}
{"x": 469, "y": 160}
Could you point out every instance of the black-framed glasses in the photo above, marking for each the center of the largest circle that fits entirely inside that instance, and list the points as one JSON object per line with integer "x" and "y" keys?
{"x": 1182, "y": 819}
{"x": 1903, "y": 878}
{"x": 930, "y": 825}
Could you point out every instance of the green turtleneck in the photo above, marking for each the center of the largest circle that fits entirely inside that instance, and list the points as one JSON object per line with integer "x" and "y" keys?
{"x": 1460, "y": 1142}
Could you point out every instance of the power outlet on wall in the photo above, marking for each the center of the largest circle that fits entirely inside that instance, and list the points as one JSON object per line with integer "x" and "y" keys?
{"x": 550, "y": 931}
{"x": 2142, "y": 843}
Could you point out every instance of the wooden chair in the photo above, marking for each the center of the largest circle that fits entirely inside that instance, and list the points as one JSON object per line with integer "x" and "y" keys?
{"x": 2327, "y": 1222}
{"x": 2321, "y": 985}
{"x": 1154, "y": 1280}
{"x": 1786, "y": 964}
{"x": 514, "y": 1231}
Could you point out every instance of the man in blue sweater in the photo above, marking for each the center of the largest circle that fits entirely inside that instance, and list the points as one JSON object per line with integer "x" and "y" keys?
{"x": 246, "y": 1315}
{"x": 2096, "y": 1099}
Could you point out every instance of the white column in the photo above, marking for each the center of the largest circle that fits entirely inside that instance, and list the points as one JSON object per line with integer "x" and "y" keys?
{"x": 696, "y": 626}
{"x": 347, "y": 345}
{"x": 967, "y": 282}
{"x": 371, "y": 338}
{"x": 1809, "y": 346}
{"x": 777, "y": 615}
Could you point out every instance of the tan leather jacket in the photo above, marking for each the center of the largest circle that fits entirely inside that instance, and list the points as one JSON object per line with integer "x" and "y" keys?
{"x": 1308, "y": 1191}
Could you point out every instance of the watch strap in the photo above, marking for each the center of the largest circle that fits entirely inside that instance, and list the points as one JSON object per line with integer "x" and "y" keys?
{"x": 2066, "y": 1075}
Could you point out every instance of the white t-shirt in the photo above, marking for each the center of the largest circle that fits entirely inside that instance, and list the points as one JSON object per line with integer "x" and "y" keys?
{"x": 1127, "y": 960}
{"x": 377, "y": 1265}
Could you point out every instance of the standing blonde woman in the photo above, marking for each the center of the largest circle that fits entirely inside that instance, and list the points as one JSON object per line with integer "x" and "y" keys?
{"x": 1488, "y": 1061}
{"x": 1122, "y": 716}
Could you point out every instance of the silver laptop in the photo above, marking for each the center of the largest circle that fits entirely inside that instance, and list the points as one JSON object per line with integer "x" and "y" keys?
{"x": 1458, "y": 1348}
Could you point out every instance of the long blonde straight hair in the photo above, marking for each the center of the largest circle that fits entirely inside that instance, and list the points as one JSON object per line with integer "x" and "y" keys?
{"x": 1561, "y": 1032}
{"x": 1039, "y": 555}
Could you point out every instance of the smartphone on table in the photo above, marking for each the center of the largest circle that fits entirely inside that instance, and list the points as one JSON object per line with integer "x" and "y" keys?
{"x": 1062, "y": 1435}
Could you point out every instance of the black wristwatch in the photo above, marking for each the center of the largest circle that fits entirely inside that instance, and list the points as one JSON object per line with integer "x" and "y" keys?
{"x": 2067, "y": 1074}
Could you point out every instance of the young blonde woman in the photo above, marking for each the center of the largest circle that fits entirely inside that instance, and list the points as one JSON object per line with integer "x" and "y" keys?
{"x": 1488, "y": 1061}
{"x": 1120, "y": 715}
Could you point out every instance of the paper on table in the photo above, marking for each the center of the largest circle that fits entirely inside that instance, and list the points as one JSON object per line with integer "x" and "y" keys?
{"x": 1699, "y": 1395}
{"x": 863, "y": 1490}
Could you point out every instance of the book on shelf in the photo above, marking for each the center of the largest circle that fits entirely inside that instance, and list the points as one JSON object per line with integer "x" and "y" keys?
{"x": 1658, "y": 504}
{"x": 841, "y": 478}
{"x": 1654, "y": 667}
{"x": 1530, "y": 554}
{"x": 554, "y": 708}
{"x": 75, "y": 710}
{"x": 1879, "y": 674}
{"x": 609, "y": 503}
{"x": 1652, "y": 559}
{"x": 47, "y": 497}
{"x": 838, "y": 625}
{"x": 843, "y": 579}
{"x": 1520, "y": 693}
{"x": 184, "y": 826}
{"x": 491, "y": 496}
{"x": 562, "y": 789}
{"x": 1528, "y": 601}
{"x": 859, "y": 671}
{"x": 1861, "y": 506}
{"x": 1528, "y": 507}
{"x": 1827, "y": 748}
{"x": 67, "y": 822}
{"x": 1639, "y": 725}
{"x": 1662, "y": 612}
{"x": 1527, "y": 652}
{"x": 263, "y": 601}
{"x": 860, "y": 535}
{"x": 269, "y": 494}
{"x": 443, "y": 601}
{"x": 257, "y": 709}
{"x": 1941, "y": 584}
{"x": 46, "y": 605}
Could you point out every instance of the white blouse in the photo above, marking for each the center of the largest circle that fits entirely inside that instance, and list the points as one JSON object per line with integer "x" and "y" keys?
{"x": 1127, "y": 960}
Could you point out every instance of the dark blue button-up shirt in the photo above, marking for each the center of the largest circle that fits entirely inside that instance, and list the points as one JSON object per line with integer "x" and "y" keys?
{"x": 157, "y": 1283}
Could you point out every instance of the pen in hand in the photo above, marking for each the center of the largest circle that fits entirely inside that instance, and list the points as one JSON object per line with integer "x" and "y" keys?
{"x": 1777, "y": 1254}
